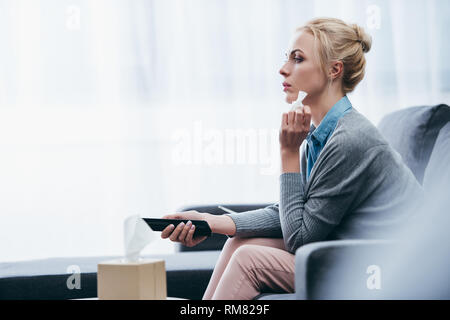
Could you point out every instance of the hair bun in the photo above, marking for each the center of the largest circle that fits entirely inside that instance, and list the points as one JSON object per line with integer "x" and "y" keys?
{"x": 363, "y": 38}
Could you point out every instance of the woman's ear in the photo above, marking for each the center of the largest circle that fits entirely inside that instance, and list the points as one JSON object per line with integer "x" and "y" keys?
{"x": 336, "y": 69}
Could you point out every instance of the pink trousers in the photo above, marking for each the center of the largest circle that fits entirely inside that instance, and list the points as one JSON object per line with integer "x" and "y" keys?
{"x": 248, "y": 266}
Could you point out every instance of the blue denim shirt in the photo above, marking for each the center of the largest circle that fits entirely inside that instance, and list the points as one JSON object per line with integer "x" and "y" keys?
{"x": 317, "y": 138}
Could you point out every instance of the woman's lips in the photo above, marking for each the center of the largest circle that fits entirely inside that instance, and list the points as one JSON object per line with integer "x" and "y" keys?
{"x": 286, "y": 86}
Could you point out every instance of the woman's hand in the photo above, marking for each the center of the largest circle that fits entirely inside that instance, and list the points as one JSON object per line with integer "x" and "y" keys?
{"x": 295, "y": 126}
{"x": 184, "y": 233}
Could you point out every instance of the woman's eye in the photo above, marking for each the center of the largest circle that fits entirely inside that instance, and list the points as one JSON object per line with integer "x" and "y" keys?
{"x": 297, "y": 60}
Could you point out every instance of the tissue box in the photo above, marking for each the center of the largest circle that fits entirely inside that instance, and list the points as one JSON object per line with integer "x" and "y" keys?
{"x": 141, "y": 280}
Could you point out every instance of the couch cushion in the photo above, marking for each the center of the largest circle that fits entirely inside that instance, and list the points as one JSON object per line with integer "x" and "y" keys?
{"x": 437, "y": 173}
{"x": 188, "y": 275}
{"x": 413, "y": 131}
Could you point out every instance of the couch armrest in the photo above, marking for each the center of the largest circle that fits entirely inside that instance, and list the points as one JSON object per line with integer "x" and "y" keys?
{"x": 216, "y": 241}
{"x": 340, "y": 269}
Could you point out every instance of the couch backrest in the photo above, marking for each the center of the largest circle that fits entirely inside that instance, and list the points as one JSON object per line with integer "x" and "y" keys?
{"x": 437, "y": 173}
{"x": 413, "y": 131}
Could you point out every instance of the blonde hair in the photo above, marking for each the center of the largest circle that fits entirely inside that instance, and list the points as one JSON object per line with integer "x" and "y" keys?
{"x": 340, "y": 41}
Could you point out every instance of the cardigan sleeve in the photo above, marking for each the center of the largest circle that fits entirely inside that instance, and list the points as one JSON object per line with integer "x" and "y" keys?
{"x": 263, "y": 222}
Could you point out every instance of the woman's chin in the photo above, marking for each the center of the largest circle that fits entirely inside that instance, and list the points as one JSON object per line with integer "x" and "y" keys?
{"x": 288, "y": 99}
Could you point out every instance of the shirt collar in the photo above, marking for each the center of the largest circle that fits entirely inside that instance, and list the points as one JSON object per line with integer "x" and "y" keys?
{"x": 330, "y": 120}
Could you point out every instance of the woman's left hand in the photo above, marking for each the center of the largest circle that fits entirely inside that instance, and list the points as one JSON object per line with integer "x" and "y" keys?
{"x": 295, "y": 126}
{"x": 184, "y": 233}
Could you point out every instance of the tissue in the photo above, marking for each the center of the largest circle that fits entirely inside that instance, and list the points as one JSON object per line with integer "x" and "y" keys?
{"x": 137, "y": 235}
{"x": 298, "y": 103}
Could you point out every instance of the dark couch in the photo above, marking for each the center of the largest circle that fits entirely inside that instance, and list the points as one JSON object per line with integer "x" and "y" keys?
{"x": 324, "y": 270}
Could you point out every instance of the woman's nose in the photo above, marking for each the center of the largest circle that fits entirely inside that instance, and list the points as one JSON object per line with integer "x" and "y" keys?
{"x": 283, "y": 71}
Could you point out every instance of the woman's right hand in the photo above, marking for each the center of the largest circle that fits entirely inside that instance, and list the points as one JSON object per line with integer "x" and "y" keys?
{"x": 295, "y": 126}
{"x": 184, "y": 233}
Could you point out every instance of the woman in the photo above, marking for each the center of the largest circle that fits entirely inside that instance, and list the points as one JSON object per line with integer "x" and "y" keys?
{"x": 349, "y": 183}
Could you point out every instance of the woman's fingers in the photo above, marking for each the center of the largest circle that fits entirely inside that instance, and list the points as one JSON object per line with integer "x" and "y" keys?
{"x": 184, "y": 232}
{"x": 284, "y": 120}
{"x": 303, "y": 118}
{"x": 190, "y": 240}
{"x": 291, "y": 117}
{"x": 176, "y": 232}
{"x": 298, "y": 118}
{"x": 167, "y": 231}
{"x": 190, "y": 236}
{"x": 294, "y": 132}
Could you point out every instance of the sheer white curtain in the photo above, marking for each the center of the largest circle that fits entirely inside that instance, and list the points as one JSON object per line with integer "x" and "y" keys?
{"x": 111, "y": 108}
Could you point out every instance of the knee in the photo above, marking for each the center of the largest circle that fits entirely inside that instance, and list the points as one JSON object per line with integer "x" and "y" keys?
{"x": 245, "y": 255}
{"x": 232, "y": 244}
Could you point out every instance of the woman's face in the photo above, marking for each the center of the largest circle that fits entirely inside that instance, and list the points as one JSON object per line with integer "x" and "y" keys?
{"x": 302, "y": 71}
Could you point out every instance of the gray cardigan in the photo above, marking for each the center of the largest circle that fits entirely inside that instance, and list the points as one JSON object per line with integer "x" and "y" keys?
{"x": 359, "y": 187}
